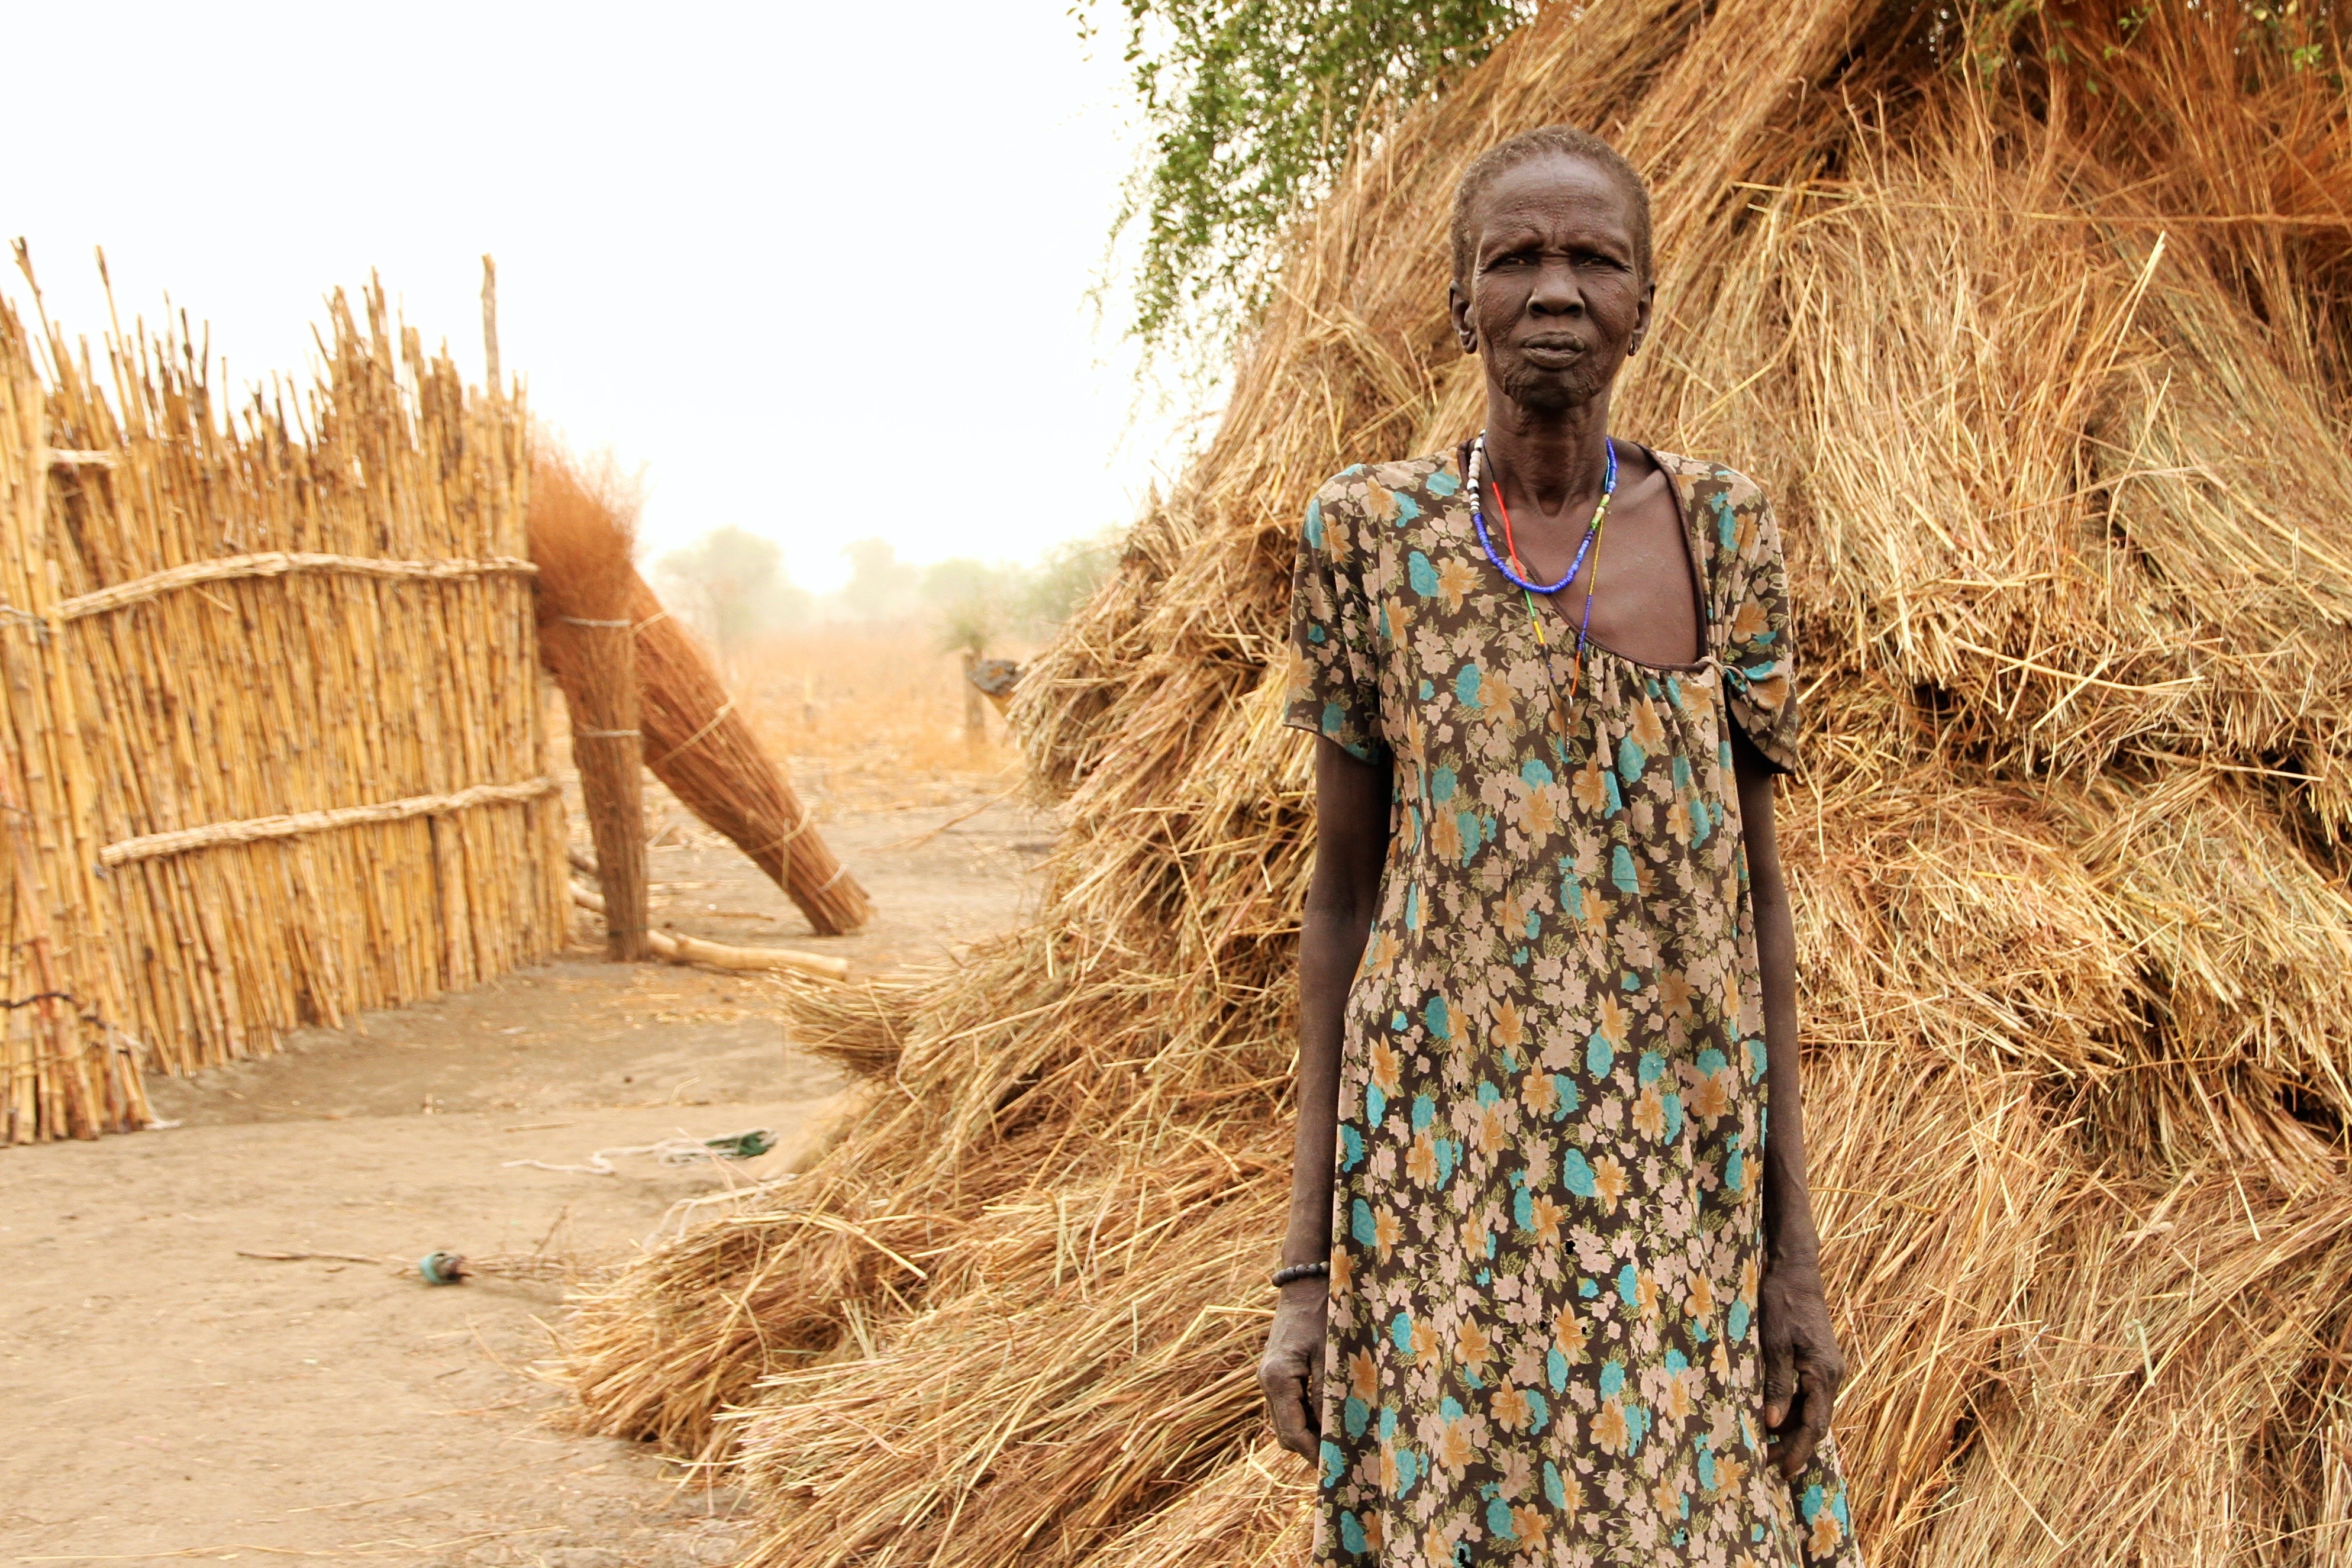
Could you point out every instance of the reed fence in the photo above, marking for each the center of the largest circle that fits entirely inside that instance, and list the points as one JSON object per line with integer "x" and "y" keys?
{"x": 271, "y": 737}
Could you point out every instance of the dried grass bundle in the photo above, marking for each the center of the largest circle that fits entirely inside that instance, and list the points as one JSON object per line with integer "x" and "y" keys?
{"x": 1105, "y": 1330}
{"x": 2162, "y": 1409}
{"x": 705, "y": 754}
{"x": 596, "y": 615}
{"x": 2066, "y": 987}
{"x": 583, "y": 538}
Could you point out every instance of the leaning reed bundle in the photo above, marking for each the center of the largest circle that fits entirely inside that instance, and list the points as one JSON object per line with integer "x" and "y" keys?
{"x": 2071, "y": 940}
{"x": 271, "y": 672}
{"x": 704, "y": 753}
{"x": 583, "y": 533}
{"x": 693, "y": 740}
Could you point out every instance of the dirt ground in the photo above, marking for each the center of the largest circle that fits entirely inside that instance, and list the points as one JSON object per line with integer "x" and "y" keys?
{"x": 164, "y": 1397}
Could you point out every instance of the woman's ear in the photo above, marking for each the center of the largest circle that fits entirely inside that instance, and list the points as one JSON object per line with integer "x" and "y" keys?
{"x": 1642, "y": 321}
{"x": 1457, "y": 305}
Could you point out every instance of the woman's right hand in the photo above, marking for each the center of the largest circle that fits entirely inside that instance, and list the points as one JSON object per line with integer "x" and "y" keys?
{"x": 1291, "y": 1371}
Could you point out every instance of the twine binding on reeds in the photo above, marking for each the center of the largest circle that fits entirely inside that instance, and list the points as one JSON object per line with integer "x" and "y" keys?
{"x": 697, "y": 738}
{"x": 275, "y": 563}
{"x": 253, "y": 830}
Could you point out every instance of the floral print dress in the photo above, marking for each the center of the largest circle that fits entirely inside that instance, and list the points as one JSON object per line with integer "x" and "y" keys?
{"x": 1548, "y": 1217}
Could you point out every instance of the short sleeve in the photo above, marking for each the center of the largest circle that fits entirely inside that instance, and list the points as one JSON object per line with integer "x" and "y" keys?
{"x": 1760, "y": 666}
{"x": 1335, "y": 674}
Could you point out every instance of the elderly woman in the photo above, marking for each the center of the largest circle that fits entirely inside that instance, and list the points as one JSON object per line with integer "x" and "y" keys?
{"x": 1550, "y": 1292}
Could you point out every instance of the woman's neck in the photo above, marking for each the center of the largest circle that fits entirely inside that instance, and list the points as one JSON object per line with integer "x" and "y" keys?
{"x": 1550, "y": 459}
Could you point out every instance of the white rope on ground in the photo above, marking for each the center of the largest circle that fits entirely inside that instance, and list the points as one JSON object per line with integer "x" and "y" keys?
{"x": 275, "y": 563}
{"x": 152, "y": 845}
{"x": 748, "y": 1145}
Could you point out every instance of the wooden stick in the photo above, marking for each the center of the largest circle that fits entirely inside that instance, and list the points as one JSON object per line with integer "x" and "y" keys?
{"x": 177, "y": 843}
{"x": 609, "y": 751}
{"x": 682, "y": 949}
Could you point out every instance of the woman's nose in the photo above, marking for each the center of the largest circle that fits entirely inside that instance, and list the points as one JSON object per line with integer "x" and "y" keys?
{"x": 1556, "y": 293}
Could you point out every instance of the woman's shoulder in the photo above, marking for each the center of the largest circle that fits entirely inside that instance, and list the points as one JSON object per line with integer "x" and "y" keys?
{"x": 1711, "y": 482}
{"x": 1729, "y": 510}
{"x": 1397, "y": 492}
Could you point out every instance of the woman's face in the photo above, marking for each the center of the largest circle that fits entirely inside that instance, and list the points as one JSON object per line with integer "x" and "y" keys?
{"x": 1555, "y": 302}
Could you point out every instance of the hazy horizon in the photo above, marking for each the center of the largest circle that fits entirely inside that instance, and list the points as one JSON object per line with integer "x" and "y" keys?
{"x": 824, "y": 281}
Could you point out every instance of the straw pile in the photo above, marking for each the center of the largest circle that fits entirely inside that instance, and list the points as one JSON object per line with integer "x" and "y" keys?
{"x": 2050, "y": 386}
{"x": 273, "y": 749}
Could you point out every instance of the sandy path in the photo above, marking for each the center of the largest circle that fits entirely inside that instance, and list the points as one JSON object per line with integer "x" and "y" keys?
{"x": 166, "y": 1399}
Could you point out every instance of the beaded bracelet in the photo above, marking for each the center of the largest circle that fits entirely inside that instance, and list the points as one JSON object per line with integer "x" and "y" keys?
{"x": 1284, "y": 1275}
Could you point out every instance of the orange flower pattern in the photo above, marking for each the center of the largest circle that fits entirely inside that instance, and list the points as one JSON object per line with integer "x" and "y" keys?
{"x": 1546, "y": 1227}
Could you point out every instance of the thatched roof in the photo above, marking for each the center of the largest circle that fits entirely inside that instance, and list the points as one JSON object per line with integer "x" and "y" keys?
{"x": 2048, "y": 369}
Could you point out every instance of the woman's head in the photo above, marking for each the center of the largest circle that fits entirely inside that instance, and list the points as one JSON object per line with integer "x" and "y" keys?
{"x": 1551, "y": 264}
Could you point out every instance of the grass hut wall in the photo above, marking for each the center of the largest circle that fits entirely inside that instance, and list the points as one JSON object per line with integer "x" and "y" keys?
{"x": 270, "y": 728}
{"x": 2048, "y": 367}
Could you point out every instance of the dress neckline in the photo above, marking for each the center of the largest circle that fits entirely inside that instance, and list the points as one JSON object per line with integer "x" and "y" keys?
{"x": 1455, "y": 459}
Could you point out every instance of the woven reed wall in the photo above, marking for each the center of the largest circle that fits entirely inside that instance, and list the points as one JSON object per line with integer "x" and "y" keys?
{"x": 273, "y": 745}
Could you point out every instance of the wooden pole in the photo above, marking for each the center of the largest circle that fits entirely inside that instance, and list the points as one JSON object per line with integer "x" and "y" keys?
{"x": 491, "y": 328}
{"x": 975, "y": 726}
{"x": 609, "y": 750}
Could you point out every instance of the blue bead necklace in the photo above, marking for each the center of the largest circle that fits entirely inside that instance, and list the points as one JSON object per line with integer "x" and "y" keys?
{"x": 1510, "y": 568}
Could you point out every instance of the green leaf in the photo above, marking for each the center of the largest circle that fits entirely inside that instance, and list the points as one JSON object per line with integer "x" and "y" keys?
{"x": 1250, "y": 107}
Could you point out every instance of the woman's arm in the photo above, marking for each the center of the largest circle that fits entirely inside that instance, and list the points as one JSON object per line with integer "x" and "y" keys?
{"x": 1803, "y": 1365}
{"x": 1352, "y": 846}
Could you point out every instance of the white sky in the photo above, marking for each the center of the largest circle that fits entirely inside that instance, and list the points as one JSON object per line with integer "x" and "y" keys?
{"x": 822, "y": 267}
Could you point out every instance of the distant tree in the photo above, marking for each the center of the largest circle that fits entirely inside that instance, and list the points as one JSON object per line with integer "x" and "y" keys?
{"x": 1067, "y": 577}
{"x": 732, "y": 583}
{"x": 973, "y": 605}
{"x": 880, "y": 585}
{"x": 1251, "y": 106}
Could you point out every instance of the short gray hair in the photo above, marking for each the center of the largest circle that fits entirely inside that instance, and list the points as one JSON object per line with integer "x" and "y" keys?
{"x": 1547, "y": 141}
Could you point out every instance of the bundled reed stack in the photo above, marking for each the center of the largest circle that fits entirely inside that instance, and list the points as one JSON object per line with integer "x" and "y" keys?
{"x": 2051, "y": 388}
{"x": 582, "y": 534}
{"x": 274, "y": 748}
{"x": 707, "y": 755}
{"x": 693, "y": 741}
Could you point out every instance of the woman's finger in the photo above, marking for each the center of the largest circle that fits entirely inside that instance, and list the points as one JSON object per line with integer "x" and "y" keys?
{"x": 1288, "y": 1407}
{"x": 1780, "y": 1375}
{"x": 1815, "y": 1399}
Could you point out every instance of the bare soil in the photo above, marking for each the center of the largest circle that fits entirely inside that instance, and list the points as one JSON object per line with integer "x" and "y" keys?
{"x": 165, "y": 1396}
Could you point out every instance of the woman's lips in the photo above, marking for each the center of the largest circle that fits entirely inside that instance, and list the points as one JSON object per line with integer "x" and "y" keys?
{"x": 1552, "y": 351}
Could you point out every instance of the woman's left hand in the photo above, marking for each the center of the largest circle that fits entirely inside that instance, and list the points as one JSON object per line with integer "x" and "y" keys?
{"x": 1802, "y": 1364}
{"x": 1290, "y": 1374}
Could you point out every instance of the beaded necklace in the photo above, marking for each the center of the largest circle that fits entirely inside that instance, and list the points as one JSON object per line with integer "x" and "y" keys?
{"x": 1512, "y": 568}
